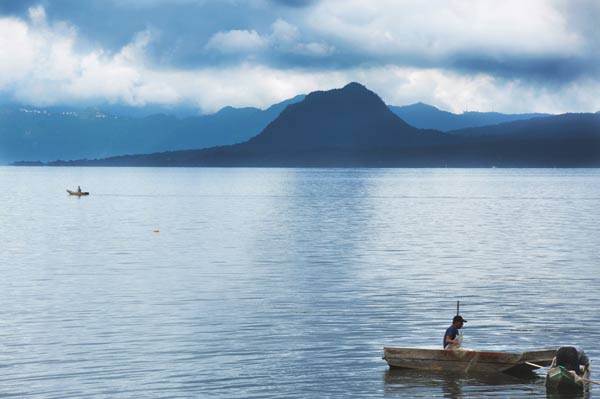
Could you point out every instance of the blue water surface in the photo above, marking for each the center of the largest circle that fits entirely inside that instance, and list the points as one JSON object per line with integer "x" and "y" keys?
{"x": 268, "y": 283}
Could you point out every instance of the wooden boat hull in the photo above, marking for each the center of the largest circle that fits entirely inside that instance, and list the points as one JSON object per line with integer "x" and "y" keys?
{"x": 78, "y": 193}
{"x": 467, "y": 361}
{"x": 561, "y": 380}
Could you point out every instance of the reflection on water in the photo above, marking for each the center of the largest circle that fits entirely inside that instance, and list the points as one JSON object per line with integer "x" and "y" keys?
{"x": 574, "y": 395}
{"x": 432, "y": 384}
{"x": 457, "y": 385}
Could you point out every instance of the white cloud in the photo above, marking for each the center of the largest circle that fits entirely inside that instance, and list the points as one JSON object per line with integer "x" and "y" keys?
{"x": 254, "y": 85}
{"x": 15, "y": 57}
{"x": 32, "y": 50}
{"x": 235, "y": 41}
{"x": 284, "y": 32}
{"x": 37, "y": 15}
{"x": 481, "y": 92}
{"x": 135, "y": 51}
{"x": 447, "y": 27}
{"x": 42, "y": 63}
{"x": 284, "y": 38}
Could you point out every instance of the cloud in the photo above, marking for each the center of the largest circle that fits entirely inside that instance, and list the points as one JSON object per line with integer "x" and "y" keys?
{"x": 295, "y": 3}
{"x": 458, "y": 92}
{"x": 457, "y": 55}
{"x": 284, "y": 38}
{"x": 511, "y": 37}
{"x": 37, "y": 15}
{"x": 287, "y": 38}
{"x": 447, "y": 26}
{"x": 284, "y": 32}
{"x": 41, "y": 64}
{"x": 14, "y": 56}
{"x": 234, "y": 41}
{"x": 32, "y": 49}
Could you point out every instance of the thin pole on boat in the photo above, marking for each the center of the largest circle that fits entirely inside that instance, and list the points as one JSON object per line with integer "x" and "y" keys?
{"x": 535, "y": 365}
{"x": 581, "y": 378}
{"x": 593, "y": 382}
{"x": 457, "y": 307}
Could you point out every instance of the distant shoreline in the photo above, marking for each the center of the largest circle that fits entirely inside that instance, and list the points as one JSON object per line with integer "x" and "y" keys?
{"x": 44, "y": 165}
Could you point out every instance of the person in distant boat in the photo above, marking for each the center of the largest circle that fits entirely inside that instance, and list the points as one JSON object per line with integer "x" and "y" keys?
{"x": 78, "y": 189}
{"x": 572, "y": 358}
{"x": 453, "y": 336}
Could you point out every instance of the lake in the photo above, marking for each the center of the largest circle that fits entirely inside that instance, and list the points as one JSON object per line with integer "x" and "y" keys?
{"x": 268, "y": 283}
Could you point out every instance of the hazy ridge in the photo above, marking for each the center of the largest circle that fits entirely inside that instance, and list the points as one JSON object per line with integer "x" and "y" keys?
{"x": 352, "y": 126}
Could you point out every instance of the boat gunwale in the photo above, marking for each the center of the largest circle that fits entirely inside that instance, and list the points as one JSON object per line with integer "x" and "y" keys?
{"x": 432, "y": 359}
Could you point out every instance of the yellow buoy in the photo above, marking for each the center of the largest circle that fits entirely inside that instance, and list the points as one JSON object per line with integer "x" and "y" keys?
{"x": 156, "y": 230}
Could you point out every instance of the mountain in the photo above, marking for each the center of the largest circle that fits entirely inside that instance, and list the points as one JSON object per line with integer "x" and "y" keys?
{"x": 426, "y": 116}
{"x": 62, "y": 133}
{"x": 51, "y": 133}
{"x": 352, "y": 118}
{"x": 568, "y": 140}
{"x": 348, "y": 126}
{"x": 120, "y": 110}
{"x": 351, "y": 127}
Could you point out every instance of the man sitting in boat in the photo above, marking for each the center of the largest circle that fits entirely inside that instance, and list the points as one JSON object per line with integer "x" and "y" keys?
{"x": 453, "y": 336}
{"x": 572, "y": 359}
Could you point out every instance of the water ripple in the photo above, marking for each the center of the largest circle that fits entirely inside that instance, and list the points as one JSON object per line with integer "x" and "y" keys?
{"x": 269, "y": 283}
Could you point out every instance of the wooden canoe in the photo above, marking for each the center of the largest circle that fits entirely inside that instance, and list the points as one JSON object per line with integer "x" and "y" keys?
{"x": 78, "y": 193}
{"x": 467, "y": 360}
{"x": 561, "y": 380}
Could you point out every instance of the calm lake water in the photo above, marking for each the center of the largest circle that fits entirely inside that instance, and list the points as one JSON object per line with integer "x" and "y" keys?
{"x": 267, "y": 283}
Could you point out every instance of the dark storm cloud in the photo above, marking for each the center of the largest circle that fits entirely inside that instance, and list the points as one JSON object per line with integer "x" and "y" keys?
{"x": 543, "y": 70}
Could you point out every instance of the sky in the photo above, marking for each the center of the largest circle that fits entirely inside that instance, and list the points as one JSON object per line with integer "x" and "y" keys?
{"x": 511, "y": 56}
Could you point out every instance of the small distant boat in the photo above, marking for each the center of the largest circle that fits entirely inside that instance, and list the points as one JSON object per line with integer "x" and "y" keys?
{"x": 467, "y": 360}
{"x": 561, "y": 380}
{"x": 78, "y": 193}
